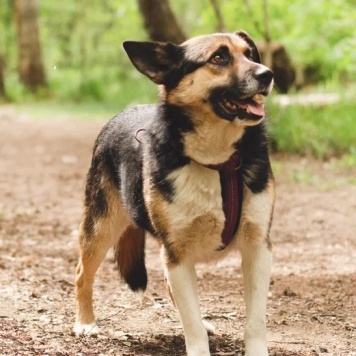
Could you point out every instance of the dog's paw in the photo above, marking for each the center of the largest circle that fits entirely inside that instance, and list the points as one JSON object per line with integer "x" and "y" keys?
{"x": 86, "y": 329}
{"x": 210, "y": 328}
{"x": 256, "y": 347}
{"x": 259, "y": 352}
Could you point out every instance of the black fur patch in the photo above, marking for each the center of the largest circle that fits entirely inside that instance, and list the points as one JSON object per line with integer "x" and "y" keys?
{"x": 166, "y": 145}
{"x": 256, "y": 167}
{"x": 170, "y": 255}
{"x": 137, "y": 276}
{"x": 163, "y": 63}
{"x": 186, "y": 67}
{"x": 255, "y": 55}
{"x": 122, "y": 156}
{"x": 95, "y": 200}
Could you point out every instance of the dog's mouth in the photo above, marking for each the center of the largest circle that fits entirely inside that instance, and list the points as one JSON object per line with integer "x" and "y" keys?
{"x": 246, "y": 108}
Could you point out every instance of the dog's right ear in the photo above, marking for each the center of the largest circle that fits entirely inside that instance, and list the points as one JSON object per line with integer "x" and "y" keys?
{"x": 246, "y": 37}
{"x": 156, "y": 60}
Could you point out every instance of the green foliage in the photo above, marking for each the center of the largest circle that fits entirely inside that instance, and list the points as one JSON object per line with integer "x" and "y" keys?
{"x": 318, "y": 34}
{"x": 321, "y": 36}
{"x": 82, "y": 39}
{"x": 84, "y": 50}
{"x": 319, "y": 130}
{"x": 348, "y": 160}
{"x": 85, "y": 63}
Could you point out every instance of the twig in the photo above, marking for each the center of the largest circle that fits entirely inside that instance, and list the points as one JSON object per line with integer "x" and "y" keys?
{"x": 99, "y": 320}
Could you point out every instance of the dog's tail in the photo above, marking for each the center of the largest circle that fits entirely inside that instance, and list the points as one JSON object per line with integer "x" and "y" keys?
{"x": 130, "y": 257}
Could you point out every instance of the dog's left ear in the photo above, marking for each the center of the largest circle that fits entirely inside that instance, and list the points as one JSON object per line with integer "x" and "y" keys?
{"x": 156, "y": 60}
{"x": 245, "y": 36}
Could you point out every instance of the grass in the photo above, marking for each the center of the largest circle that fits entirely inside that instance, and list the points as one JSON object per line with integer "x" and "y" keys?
{"x": 348, "y": 160}
{"x": 322, "y": 131}
{"x": 48, "y": 110}
{"x": 97, "y": 94}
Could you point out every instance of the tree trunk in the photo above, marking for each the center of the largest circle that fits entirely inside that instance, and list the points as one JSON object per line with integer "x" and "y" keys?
{"x": 160, "y": 22}
{"x": 2, "y": 78}
{"x": 30, "y": 61}
{"x": 267, "y": 36}
{"x": 221, "y": 27}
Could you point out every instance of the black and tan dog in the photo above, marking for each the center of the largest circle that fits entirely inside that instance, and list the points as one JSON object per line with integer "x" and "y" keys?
{"x": 193, "y": 171}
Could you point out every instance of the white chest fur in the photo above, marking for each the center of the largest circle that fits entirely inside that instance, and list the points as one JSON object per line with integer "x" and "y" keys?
{"x": 195, "y": 215}
{"x": 197, "y": 192}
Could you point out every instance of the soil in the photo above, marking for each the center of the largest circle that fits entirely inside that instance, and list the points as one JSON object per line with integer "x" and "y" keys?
{"x": 312, "y": 299}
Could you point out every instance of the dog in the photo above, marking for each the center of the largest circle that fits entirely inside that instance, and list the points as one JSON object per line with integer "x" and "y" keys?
{"x": 194, "y": 172}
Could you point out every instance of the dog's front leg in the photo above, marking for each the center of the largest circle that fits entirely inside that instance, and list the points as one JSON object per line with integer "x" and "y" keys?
{"x": 183, "y": 285}
{"x": 256, "y": 268}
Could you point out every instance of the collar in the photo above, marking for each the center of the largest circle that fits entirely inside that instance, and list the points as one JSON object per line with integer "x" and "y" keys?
{"x": 231, "y": 193}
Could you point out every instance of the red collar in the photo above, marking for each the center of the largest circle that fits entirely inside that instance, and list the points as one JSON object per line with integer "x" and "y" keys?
{"x": 231, "y": 191}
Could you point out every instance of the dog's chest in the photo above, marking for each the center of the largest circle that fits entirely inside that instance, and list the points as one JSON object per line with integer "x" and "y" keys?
{"x": 197, "y": 197}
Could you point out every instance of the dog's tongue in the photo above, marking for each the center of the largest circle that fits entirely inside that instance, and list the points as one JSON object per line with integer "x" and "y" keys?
{"x": 256, "y": 109}
{"x": 251, "y": 106}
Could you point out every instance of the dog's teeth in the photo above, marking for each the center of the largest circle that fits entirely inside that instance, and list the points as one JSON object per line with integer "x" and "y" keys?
{"x": 230, "y": 105}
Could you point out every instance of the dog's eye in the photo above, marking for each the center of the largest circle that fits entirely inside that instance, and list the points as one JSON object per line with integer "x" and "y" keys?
{"x": 218, "y": 59}
{"x": 248, "y": 53}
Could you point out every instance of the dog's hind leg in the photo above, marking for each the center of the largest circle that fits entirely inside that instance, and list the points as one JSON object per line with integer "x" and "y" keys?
{"x": 91, "y": 256}
{"x": 183, "y": 285}
{"x": 99, "y": 230}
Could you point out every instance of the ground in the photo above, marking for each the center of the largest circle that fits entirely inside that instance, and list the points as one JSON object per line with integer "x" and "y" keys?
{"x": 312, "y": 299}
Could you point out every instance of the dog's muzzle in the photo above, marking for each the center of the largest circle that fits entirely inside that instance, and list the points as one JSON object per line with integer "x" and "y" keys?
{"x": 244, "y": 100}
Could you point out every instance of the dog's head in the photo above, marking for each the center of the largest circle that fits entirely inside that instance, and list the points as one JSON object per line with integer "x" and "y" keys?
{"x": 219, "y": 74}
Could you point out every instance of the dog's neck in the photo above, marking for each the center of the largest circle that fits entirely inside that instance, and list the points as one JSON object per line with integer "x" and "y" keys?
{"x": 213, "y": 141}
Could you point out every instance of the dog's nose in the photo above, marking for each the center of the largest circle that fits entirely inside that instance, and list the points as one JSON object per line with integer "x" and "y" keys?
{"x": 264, "y": 77}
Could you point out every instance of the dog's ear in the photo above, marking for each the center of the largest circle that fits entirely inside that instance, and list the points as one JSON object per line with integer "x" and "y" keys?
{"x": 246, "y": 37}
{"x": 157, "y": 60}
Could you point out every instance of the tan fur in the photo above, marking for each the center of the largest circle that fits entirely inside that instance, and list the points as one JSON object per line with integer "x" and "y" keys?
{"x": 194, "y": 221}
{"x": 199, "y": 239}
{"x": 200, "y": 48}
{"x": 250, "y": 230}
{"x": 256, "y": 217}
{"x": 156, "y": 208}
{"x": 93, "y": 250}
{"x": 199, "y": 142}
{"x": 220, "y": 141}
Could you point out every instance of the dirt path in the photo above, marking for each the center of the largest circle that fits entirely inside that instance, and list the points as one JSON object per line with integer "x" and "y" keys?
{"x": 312, "y": 303}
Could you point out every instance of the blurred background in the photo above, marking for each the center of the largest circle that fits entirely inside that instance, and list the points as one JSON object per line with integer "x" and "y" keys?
{"x": 65, "y": 57}
{"x": 63, "y": 74}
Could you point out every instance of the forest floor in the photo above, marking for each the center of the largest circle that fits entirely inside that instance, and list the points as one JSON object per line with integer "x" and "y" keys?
{"x": 312, "y": 299}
